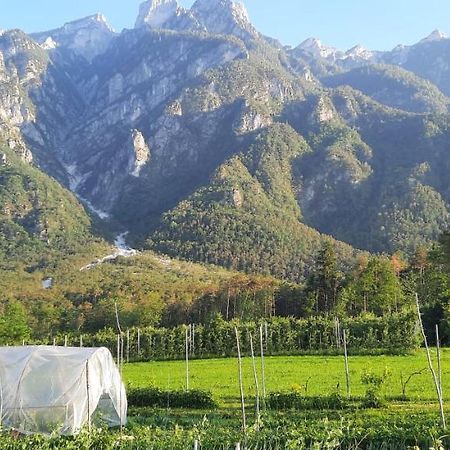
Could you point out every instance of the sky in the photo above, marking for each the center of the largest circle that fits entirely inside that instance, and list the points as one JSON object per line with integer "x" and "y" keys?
{"x": 375, "y": 24}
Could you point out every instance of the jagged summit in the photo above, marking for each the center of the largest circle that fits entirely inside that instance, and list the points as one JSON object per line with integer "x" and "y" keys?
{"x": 224, "y": 17}
{"x": 359, "y": 52}
{"x": 94, "y": 19}
{"x": 213, "y": 16}
{"x": 315, "y": 48}
{"x": 435, "y": 36}
{"x": 88, "y": 37}
{"x": 156, "y": 13}
{"x": 236, "y": 8}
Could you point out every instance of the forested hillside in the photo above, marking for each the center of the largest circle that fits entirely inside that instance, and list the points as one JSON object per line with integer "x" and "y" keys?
{"x": 194, "y": 136}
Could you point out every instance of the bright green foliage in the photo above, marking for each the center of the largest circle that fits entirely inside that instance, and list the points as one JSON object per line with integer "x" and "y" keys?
{"x": 300, "y": 432}
{"x": 376, "y": 289}
{"x": 155, "y": 397}
{"x": 295, "y": 400}
{"x": 374, "y": 384}
{"x": 311, "y": 376}
{"x": 13, "y": 322}
{"x": 396, "y": 333}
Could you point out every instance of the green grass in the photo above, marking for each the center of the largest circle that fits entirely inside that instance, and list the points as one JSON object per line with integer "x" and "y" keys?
{"x": 325, "y": 374}
{"x": 397, "y": 426}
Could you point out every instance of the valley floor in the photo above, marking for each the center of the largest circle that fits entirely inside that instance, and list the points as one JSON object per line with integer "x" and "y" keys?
{"x": 401, "y": 424}
{"x": 310, "y": 375}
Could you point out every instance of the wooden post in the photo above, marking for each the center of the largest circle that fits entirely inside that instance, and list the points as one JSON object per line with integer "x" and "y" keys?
{"x": 196, "y": 445}
{"x": 65, "y": 341}
{"x": 347, "y": 371}
{"x": 438, "y": 351}
{"x": 116, "y": 310}
{"x": 187, "y": 358}
{"x": 121, "y": 354}
{"x": 139, "y": 342}
{"x": 54, "y": 342}
{"x": 338, "y": 333}
{"x": 263, "y": 369}
{"x": 128, "y": 346}
{"x": 118, "y": 351}
{"x": 241, "y": 386}
{"x": 255, "y": 376}
{"x": 81, "y": 341}
{"x": 88, "y": 396}
{"x": 189, "y": 327}
{"x": 430, "y": 365}
{"x": 120, "y": 371}
{"x": 1, "y": 403}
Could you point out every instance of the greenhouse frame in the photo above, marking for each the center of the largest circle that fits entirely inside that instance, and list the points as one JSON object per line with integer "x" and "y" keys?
{"x": 48, "y": 390}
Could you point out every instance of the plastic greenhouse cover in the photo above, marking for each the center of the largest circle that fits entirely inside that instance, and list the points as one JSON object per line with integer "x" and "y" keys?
{"x": 47, "y": 389}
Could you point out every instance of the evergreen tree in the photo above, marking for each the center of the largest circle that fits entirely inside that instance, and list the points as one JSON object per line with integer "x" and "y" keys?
{"x": 324, "y": 283}
{"x": 13, "y": 322}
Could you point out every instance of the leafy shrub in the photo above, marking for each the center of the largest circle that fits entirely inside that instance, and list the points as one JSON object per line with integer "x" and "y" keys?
{"x": 374, "y": 383}
{"x": 295, "y": 400}
{"x": 152, "y": 396}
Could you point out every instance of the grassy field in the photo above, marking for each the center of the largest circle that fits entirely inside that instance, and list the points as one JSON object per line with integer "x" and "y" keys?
{"x": 322, "y": 374}
{"x": 398, "y": 425}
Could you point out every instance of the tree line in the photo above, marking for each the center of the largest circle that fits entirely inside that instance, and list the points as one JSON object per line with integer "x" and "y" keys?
{"x": 375, "y": 286}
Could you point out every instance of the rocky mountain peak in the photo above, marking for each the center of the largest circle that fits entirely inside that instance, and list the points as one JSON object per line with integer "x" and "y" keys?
{"x": 435, "y": 36}
{"x": 96, "y": 21}
{"x": 315, "y": 48}
{"x": 156, "y": 13}
{"x": 224, "y": 17}
{"x": 237, "y": 9}
{"x": 213, "y": 16}
{"x": 359, "y": 52}
{"x": 88, "y": 37}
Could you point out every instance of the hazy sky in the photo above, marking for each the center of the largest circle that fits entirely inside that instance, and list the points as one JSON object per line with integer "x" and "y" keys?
{"x": 376, "y": 24}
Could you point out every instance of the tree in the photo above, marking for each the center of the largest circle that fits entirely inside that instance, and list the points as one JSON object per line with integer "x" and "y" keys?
{"x": 376, "y": 290}
{"x": 291, "y": 301}
{"x": 325, "y": 281}
{"x": 13, "y": 322}
{"x": 420, "y": 262}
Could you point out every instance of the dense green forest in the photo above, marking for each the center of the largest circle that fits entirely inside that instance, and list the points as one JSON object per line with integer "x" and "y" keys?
{"x": 150, "y": 290}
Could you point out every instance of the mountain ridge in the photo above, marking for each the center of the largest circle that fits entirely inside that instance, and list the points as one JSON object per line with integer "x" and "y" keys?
{"x": 183, "y": 132}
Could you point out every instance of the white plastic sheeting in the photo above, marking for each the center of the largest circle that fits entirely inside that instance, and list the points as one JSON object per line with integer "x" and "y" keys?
{"x": 47, "y": 389}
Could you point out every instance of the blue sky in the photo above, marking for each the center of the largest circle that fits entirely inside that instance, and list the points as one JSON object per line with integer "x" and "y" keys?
{"x": 376, "y": 24}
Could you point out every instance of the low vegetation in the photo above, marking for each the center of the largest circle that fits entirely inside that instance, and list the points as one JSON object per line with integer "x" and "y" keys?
{"x": 155, "y": 397}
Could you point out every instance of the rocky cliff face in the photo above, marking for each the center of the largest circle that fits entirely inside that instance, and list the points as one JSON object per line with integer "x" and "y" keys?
{"x": 224, "y": 17}
{"x": 88, "y": 37}
{"x": 136, "y": 123}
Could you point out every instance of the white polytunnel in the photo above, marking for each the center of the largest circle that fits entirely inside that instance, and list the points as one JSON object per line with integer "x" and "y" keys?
{"x": 47, "y": 390}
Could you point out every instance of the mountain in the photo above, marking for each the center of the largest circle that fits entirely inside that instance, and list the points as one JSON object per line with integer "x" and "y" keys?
{"x": 248, "y": 216}
{"x": 393, "y": 86}
{"x": 209, "y": 141}
{"x": 224, "y": 17}
{"x": 41, "y": 223}
{"x": 86, "y": 37}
